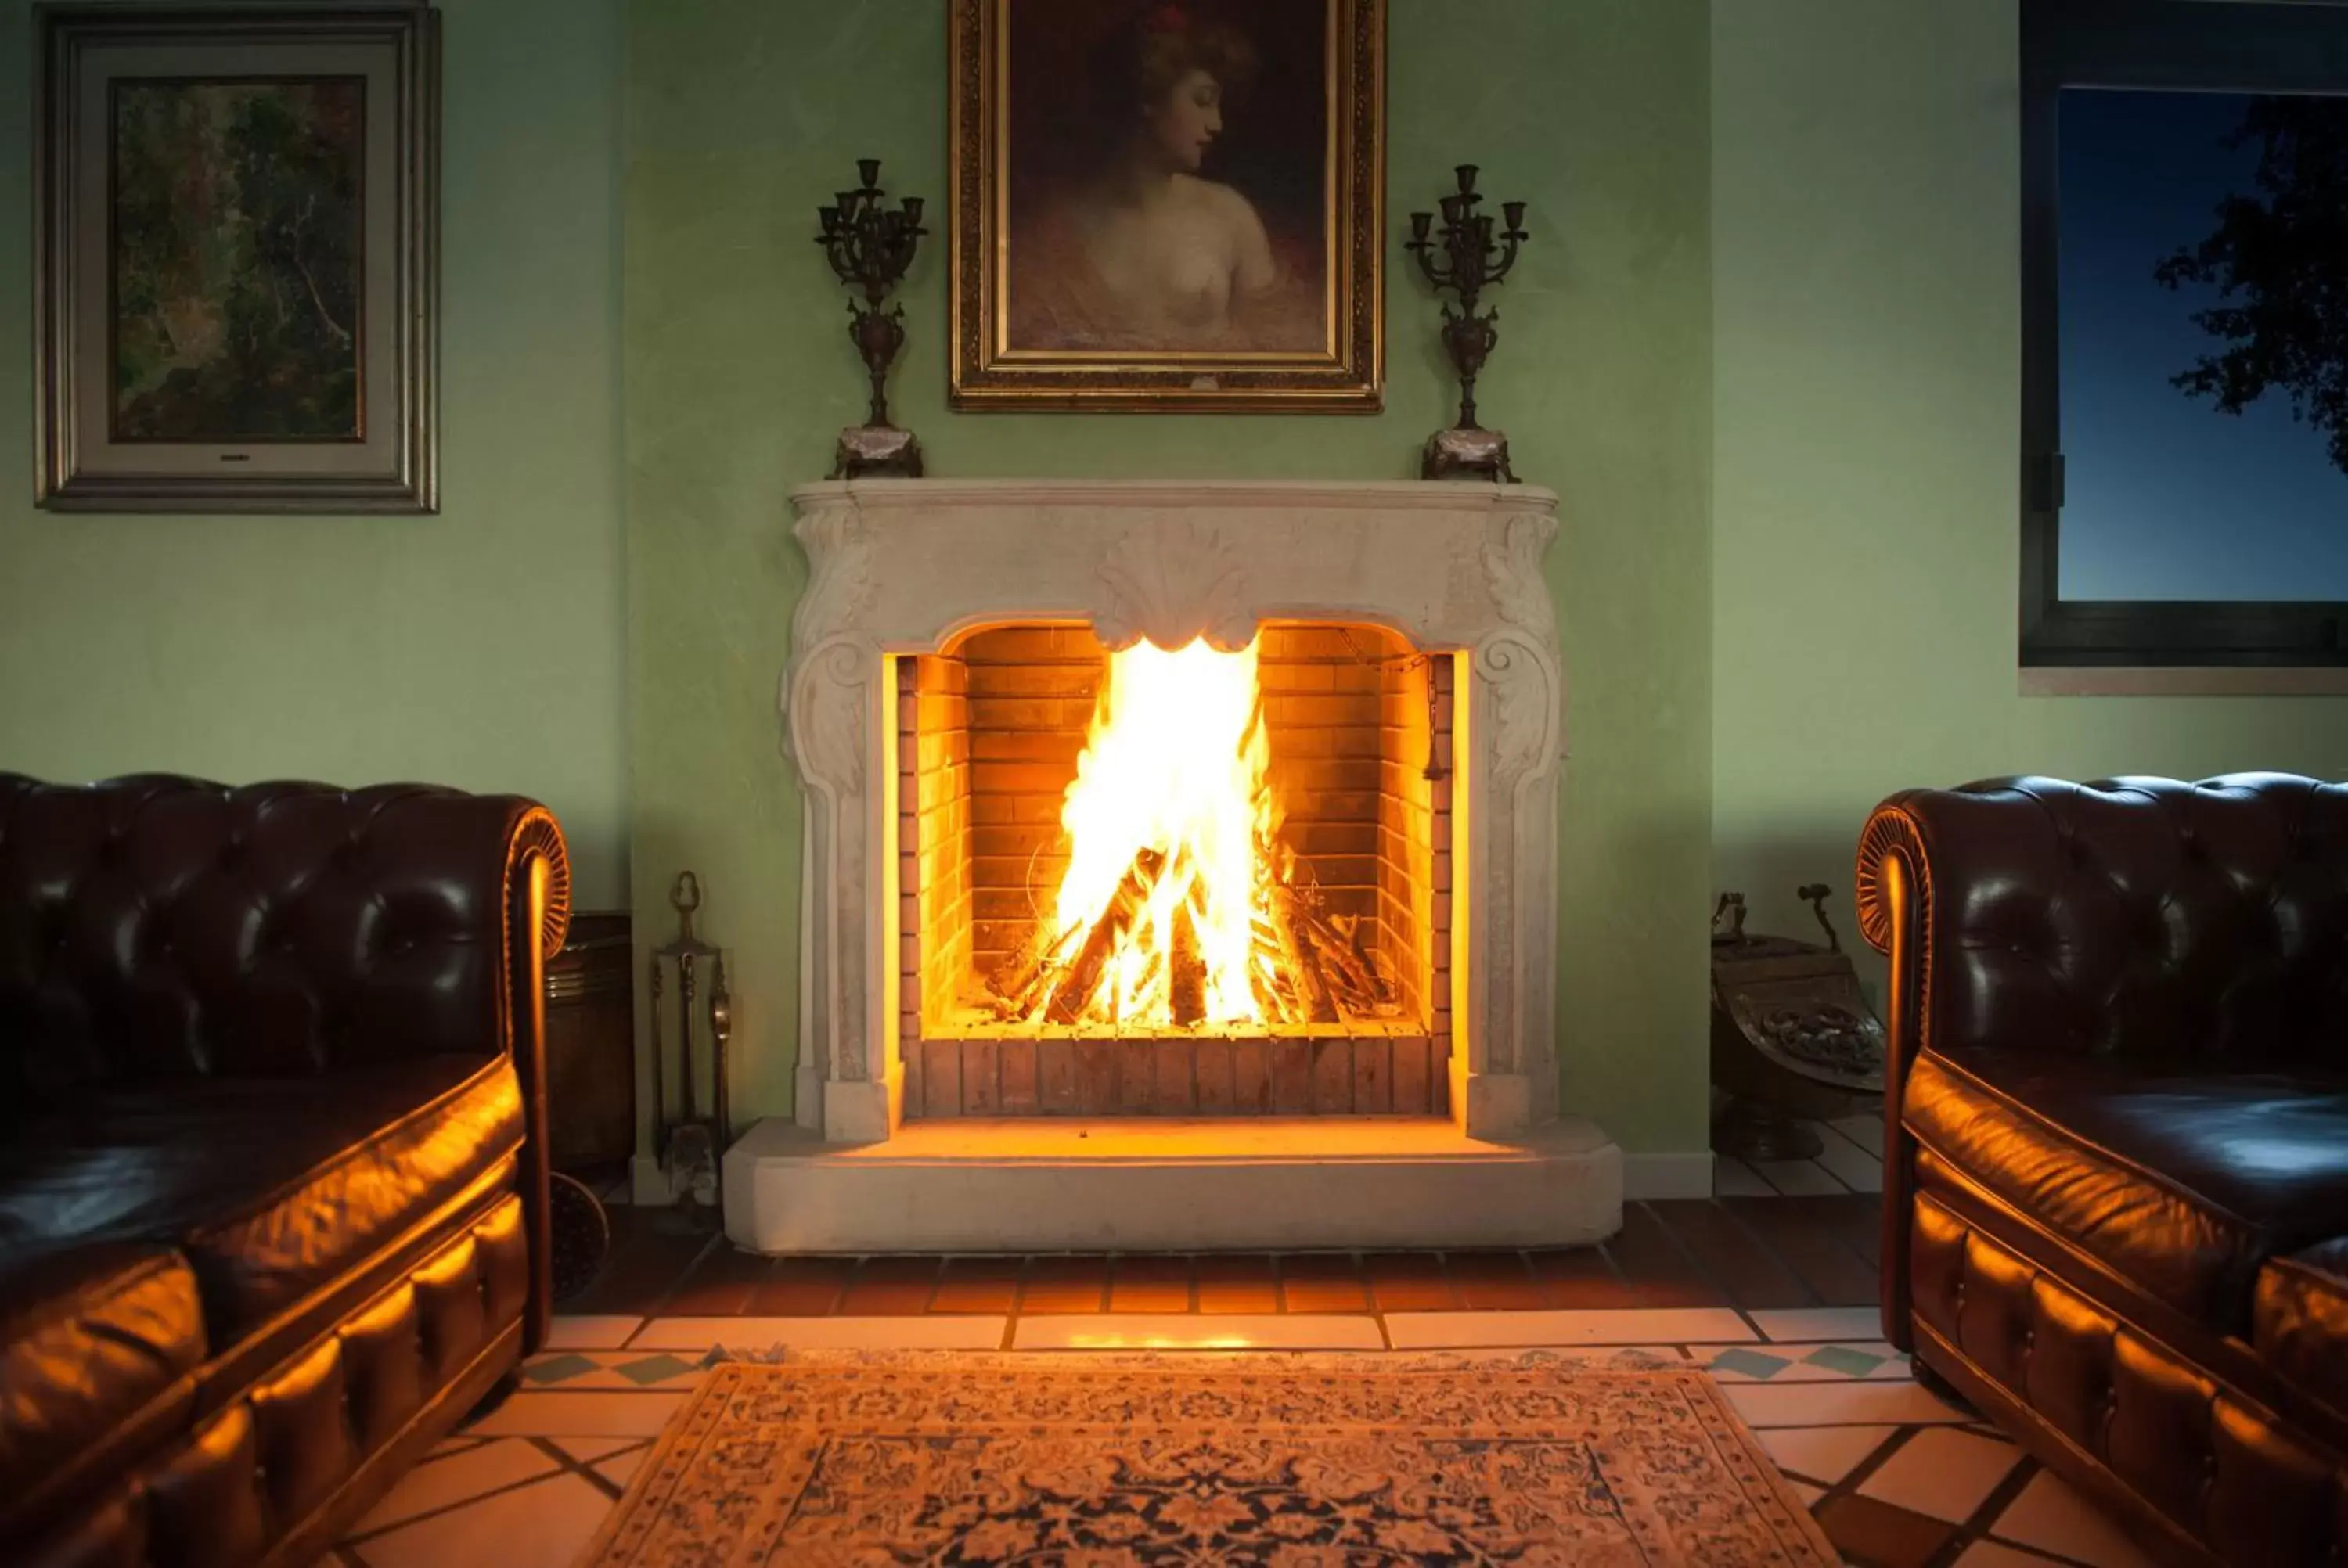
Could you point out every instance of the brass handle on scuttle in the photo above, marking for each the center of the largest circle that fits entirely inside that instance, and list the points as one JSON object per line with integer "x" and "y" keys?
{"x": 1814, "y": 894}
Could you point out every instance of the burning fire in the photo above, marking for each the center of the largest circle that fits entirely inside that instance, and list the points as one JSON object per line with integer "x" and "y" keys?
{"x": 1178, "y": 906}
{"x": 1172, "y": 784}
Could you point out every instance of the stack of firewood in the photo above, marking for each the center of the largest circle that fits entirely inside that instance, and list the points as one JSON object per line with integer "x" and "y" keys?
{"x": 1308, "y": 966}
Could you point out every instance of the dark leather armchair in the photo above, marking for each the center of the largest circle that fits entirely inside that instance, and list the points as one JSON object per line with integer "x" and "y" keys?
{"x": 272, "y": 1189}
{"x": 2115, "y": 1184}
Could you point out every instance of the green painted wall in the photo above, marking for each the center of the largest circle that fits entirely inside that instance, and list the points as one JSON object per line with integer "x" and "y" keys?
{"x": 743, "y": 115}
{"x": 1865, "y": 451}
{"x": 479, "y": 648}
{"x": 1764, "y": 345}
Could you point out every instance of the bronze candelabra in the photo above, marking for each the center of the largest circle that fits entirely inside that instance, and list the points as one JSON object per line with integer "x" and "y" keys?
{"x": 1467, "y": 256}
{"x": 871, "y": 246}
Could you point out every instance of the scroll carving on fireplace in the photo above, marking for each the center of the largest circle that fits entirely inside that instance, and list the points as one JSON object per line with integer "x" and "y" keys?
{"x": 1172, "y": 582}
{"x": 824, "y": 696}
{"x": 1517, "y": 659}
{"x": 828, "y": 693}
{"x": 1519, "y": 663}
{"x": 824, "y": 701}
{"x": 826, "y": 715}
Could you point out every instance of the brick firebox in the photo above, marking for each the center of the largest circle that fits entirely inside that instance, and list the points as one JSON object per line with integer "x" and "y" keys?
{"x": 1359, "y": 726}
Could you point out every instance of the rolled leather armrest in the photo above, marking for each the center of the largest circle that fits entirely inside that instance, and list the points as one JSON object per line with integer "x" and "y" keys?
{"x": 2137, "y": 916}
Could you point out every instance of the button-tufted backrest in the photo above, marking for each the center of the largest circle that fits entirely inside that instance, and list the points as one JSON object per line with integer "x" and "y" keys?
{"x": 2134, "y": 917}
{"x": 156, "y": 927}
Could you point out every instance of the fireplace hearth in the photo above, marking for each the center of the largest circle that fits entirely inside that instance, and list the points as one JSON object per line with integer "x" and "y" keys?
{"x": 1193, "y": 841}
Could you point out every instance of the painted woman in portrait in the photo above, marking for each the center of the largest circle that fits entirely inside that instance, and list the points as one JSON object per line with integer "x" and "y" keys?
{"x": 1142, "y": 216}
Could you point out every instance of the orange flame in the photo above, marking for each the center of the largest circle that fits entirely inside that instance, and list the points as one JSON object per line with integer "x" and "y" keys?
{"x": 1175, "y": 764}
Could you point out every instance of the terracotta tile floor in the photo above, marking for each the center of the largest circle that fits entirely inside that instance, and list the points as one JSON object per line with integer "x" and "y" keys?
{"x": 1749, "y": 1253}
{"x": 1774, "y": 1294}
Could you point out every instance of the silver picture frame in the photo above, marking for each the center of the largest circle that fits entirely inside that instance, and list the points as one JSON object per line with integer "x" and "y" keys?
{"x": 379, "y": 453}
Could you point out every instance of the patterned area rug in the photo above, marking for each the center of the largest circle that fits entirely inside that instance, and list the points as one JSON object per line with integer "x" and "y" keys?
{"x": 1191, "y": 1459}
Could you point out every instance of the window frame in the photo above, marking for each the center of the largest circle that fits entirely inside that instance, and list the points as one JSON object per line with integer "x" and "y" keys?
{"x": 2295, "y": 45}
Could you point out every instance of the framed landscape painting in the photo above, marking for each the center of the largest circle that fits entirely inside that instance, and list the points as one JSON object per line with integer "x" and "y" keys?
{"x": 237, "y": 261}
{"x": 1167, "y": 204}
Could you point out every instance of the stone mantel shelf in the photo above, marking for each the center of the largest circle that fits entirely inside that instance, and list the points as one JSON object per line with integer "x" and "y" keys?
{"x": 1409, "y": 495}
{"x": 1170, "y": 559}
{"x": 906, "y": 566}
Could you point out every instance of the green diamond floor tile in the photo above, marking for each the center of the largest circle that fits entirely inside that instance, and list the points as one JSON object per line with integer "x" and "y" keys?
{"x": 557, "y": 1368}
{"x": 1749, "y": 1363}
{"x": 653, "y": 1368}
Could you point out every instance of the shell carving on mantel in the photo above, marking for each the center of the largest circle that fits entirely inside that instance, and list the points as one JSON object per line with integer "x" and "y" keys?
{"x": 1171, "y": 582}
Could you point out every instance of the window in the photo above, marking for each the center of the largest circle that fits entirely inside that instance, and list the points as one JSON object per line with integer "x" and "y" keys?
{"x": 2184, "y": 333}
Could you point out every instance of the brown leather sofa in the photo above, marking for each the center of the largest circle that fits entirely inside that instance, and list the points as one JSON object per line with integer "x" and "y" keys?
{"x": 273, "y": 1196}
{"x": 2116, "y": 1181}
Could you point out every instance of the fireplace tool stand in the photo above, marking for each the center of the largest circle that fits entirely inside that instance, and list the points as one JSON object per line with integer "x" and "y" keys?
{"x": 690, "y": 1147}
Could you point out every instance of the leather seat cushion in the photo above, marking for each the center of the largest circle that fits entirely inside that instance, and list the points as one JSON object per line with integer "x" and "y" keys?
{"x": 2183, "y": 1180}
{"x": 93, "y": 1340}
{"x": 2300, "y": 1321}
{"x": 272, "y": 1186}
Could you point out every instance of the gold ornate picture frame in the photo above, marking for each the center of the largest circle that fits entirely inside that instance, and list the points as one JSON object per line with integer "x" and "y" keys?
{"x": 237, "y": 264}
{"x": 1168, "y": 205}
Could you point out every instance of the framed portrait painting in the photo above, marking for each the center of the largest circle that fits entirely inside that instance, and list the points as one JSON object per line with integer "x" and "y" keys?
{"x": 1167, "y": 204}
{"x": 236, "y": 269}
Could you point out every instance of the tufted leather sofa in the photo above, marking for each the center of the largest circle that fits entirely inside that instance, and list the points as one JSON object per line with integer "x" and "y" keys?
{"x": 2116, "y": 1183}
{"x": 272, "y": 1194}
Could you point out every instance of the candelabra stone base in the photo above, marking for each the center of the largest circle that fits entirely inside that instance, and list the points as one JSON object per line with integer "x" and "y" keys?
{"x": 1467, "y": 454}
{"x": 877, "y": 451}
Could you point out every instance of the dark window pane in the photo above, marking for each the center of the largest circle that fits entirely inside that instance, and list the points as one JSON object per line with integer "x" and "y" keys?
{"x": 2169, "y": 497}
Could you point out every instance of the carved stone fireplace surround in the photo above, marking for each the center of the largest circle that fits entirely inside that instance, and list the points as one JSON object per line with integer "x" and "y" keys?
{"x": 905, "y": 567}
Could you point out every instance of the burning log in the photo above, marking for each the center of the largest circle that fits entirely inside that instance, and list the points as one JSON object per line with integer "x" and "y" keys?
{"x": 1187, "y": 984}
{"x": 1371, "y": 971}
{"x": 1011, "y": 977}
{"x": 1267, "y": 998}
{"x": 1017, "y": 985}
{"x": 1290, "y": 919}
{"x": 1350, "y": 1002}
{"x": 1119, "y": 999}
{"x": 1308, "y": 966}
{"x": 1083, "y": 976}
{"x": 1022, "y": 1004}
{"x": 1341, "y": 956}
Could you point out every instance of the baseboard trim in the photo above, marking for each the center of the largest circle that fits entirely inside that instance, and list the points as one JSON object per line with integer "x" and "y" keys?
{"x": 1668, "y": 1176}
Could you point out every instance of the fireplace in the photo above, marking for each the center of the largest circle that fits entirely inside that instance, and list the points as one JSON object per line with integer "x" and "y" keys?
{"x": 1253, "y": 850}
{"x": 1179, "y": 871}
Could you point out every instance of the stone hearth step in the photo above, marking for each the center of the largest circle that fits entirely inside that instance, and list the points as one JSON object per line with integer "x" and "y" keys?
{"x": 1152, "y": 1183}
